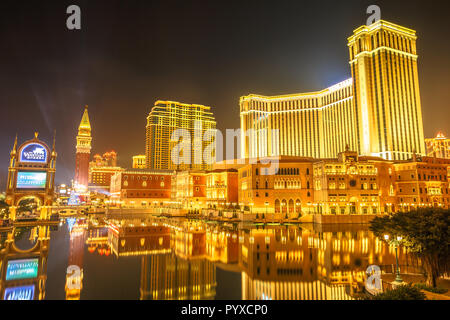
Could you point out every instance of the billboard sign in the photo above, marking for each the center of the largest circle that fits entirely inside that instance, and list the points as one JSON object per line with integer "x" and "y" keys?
{"x": 19, "y": 293}
{"x": 34, "y": 152}
{"x": 31, "y": 180}
{"x": 22, "y": 269}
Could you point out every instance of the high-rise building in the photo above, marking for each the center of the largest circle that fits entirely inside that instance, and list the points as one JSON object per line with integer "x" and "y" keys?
{"x": 83, "y": 148}
{"x": 438, "y": 147}
{"x": 383, "y": 59}
{"x": 316, "y": 124}
{"x": 377, "y": 112}
{"x": 193, "y": 119}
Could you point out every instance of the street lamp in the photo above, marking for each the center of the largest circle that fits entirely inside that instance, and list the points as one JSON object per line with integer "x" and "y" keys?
{"x": 395, "y": 242}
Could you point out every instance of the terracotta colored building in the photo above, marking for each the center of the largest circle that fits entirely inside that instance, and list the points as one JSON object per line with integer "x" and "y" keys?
{"x": 422, "y": 182}
{"x": 288, "y": 189}
{"x": 141, "y": 187}
{"x": 349, "y": 184}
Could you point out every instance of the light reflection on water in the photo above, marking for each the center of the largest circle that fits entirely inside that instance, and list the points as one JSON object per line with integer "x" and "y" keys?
{"x": 160, "y": 258}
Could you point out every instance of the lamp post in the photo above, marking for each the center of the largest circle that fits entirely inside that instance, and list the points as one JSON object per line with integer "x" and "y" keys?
{"x": 395, "y": 242}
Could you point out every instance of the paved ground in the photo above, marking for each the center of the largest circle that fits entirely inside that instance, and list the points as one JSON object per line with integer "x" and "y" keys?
{"x": 442, "y": 283}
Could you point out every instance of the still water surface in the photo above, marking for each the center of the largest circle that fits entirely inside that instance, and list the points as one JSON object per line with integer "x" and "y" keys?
{"x": 160, "y": 258}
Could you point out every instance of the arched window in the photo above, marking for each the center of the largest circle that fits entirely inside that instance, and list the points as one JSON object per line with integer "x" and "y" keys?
{"x": 277, "y": 206}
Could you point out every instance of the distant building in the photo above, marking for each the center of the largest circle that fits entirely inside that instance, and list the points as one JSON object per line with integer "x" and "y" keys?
{"x": 101, "y": 169}
{"x": 164, "y": 118}
{"x": 139, "y": 162}
{"x": 438, "y": 147}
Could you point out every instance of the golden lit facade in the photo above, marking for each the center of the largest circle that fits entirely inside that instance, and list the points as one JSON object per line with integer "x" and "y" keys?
{"x": 222, "y": 187}
{"x": 353, "y": 184}
{"x": 317, "y": 124}
{"x": 346, "y": 185}
{"x": 377, "y": 112}
{"x": 167, "y": 116}
{"x": 383, "y": 60}
{"x": 438, "y": 147}
{"x": 289, "y": 191}
{"x": 139, "y": 161}
{"x": 189, "y": 189}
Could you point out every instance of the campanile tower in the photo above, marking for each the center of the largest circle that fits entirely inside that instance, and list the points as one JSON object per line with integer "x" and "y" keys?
{"x": 83, "y": 151}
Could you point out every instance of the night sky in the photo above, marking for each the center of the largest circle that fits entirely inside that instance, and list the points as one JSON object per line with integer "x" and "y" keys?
{"x": 129, "y": 54}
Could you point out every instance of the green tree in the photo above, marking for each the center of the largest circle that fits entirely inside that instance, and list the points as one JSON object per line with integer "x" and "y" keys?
{"x": 425, "y": 233}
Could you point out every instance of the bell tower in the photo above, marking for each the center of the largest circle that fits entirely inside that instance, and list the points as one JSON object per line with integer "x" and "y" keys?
{"x": 83, "y": 151}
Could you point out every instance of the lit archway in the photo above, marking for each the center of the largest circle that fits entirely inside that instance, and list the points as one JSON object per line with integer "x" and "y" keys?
{"x": 277, "y": 206}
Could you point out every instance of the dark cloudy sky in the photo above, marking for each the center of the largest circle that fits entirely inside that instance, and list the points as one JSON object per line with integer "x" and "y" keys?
{"x": 131, "y": 53}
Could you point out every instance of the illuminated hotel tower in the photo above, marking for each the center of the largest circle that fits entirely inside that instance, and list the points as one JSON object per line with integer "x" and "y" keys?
{"x": 83, "y": 151}
{"x": 383, "y": 60}
{"x": 167, "y": 116}
{"x": 317, "y": 124}
{"x": 377, "y": 112}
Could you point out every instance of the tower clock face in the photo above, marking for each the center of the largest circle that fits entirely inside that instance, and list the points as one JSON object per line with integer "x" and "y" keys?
{"x": 352, "y": 183}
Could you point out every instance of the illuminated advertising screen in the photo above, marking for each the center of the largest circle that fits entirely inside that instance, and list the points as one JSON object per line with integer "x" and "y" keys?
{"x": 19, "y": 293}
{"x": 33, "y": 152}
{"x": 31, "y": 180}
{"x": 22, "y": 269}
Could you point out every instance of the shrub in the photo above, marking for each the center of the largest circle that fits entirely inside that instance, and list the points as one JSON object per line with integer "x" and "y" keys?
{"x": 423, "y": 286}
{"x": 405, "y": 292}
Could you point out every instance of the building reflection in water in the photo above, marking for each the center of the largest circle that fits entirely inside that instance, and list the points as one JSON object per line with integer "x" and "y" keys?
{"x": 292, "y": 263}
{"x": 173, "y": 264}
{"x": 23, "y": 262}
{"x": 179, "y": 257}
{"x": 74, "y": 275}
